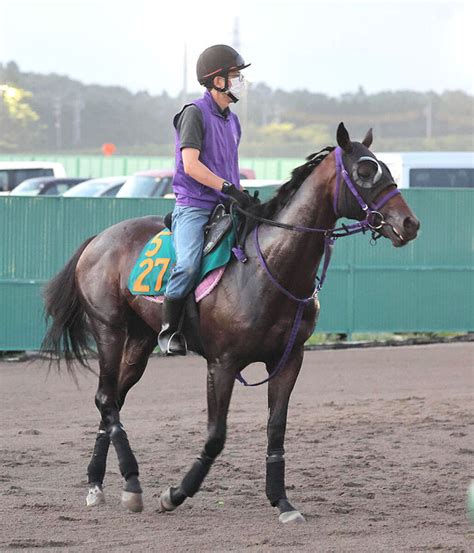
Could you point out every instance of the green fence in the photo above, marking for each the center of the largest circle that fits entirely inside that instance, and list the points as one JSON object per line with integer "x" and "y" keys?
{"x": 100, "y": 166}
{"x": 425, "y": 286}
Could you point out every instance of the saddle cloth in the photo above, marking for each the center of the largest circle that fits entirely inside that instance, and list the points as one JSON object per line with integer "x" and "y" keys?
{"x": 152, "y": 270}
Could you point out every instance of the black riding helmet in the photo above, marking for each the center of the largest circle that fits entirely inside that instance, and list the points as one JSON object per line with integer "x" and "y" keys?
{"x": 217, "y": 61}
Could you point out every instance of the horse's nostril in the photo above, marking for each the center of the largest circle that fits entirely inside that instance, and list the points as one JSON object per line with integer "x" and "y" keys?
{"x": 411, "y": 224}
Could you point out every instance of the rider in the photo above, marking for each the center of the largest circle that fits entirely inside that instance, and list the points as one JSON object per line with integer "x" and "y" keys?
{"x": 207, "y": 170}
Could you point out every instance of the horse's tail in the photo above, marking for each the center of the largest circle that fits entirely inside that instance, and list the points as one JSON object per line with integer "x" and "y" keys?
{"x": 68, "y": 336}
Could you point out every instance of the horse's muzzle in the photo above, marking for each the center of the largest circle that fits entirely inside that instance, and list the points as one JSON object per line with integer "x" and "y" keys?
{"x": 403, "y": 232}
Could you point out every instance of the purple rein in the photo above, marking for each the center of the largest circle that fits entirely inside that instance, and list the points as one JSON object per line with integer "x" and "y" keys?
{"x": 330, "y": 236}
{"x": 296, "y": 323}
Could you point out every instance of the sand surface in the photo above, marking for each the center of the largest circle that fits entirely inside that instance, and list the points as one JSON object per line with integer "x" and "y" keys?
{"x": 379, "y": 453}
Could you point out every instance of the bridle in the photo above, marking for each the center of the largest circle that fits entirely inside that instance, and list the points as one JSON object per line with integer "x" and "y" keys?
{"x": 373, "y": 218}
{"x": 373, "y": 222}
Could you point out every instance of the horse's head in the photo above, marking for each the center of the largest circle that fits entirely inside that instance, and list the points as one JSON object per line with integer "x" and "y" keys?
{"x": 365, "y": 190}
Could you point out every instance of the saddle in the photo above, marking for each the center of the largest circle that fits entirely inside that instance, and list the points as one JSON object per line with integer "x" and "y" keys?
{"x": 220, "y": 222}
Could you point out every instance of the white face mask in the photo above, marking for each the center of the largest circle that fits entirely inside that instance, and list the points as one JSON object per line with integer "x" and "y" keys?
{"x": 237, "y": 85}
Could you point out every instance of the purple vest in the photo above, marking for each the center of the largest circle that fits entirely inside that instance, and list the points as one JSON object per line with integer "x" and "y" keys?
{"x": 221, "y": 137}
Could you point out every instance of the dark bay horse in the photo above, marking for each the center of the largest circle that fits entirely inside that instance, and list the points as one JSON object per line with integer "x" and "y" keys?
{"x": 246, "y": 319}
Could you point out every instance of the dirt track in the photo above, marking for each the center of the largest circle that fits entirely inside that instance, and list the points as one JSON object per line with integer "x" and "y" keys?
{"x": 380, "y": 452}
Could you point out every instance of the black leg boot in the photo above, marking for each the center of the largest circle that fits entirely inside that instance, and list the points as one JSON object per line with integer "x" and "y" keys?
{"x": 170, "y": 339}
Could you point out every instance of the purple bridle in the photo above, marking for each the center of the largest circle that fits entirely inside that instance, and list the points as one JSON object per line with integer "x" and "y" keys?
{"x": 371, "y": 212}
{"x": 373, "y": 221}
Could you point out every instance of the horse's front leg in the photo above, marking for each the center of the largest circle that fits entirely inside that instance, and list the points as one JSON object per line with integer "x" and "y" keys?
{"x": 220, "y": 383}
{"x": 279, "y": 391}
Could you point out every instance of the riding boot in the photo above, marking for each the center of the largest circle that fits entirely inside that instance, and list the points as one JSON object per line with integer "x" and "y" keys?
{"x": 170, "y": 339}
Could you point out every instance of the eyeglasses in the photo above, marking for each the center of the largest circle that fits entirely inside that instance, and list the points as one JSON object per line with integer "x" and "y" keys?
{"x": 238, "y": 76}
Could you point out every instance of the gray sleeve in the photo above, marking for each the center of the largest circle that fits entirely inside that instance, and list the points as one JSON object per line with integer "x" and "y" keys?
{"x": 190, "y": 127}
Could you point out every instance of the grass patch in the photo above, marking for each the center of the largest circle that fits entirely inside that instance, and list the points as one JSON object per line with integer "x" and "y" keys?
{"x": 321, "y": 338}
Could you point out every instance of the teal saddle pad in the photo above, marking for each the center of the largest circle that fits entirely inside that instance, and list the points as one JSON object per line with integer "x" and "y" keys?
{"x": 153, "y": 267}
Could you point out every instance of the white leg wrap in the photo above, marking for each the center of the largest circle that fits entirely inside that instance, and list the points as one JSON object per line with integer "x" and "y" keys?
{"x": 95, "y": 497}
{"x": 165, "y": 501}
{"x": 291, "y": 516}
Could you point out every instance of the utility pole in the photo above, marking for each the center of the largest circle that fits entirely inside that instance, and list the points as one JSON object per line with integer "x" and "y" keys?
{"x": 78, "y": 106}
{"x": 428, "y": 112}
{"x": 236, "y": 34}
{"x": 244, "y": 98}
{"x": 184, "y": 92}
{"x": 57, "y": 112}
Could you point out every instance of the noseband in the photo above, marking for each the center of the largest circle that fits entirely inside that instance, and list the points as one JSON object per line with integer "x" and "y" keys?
{"x": 373, "y": 221}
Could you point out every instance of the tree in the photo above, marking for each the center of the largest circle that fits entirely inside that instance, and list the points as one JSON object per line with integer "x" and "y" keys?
{"x": 18, "y": 121}
{"x": 79, "y": 118}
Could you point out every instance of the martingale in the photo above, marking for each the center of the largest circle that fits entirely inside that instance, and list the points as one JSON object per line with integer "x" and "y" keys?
{"x": 152, "y": 270}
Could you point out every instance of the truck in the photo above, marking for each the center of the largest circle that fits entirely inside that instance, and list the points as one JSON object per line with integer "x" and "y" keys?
{"x": 430, "y": 169}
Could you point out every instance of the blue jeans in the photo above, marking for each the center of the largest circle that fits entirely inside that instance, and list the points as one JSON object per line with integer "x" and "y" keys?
{"x": 188, "y": 238}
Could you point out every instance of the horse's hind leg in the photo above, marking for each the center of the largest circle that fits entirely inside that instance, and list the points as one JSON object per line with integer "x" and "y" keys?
{"x": 220, "y": 383}
{"x": 140, "y": 343}
{"x": 110, "y": 344}
{"x": 96, "y": 468}
{"x": 279, "y": 391}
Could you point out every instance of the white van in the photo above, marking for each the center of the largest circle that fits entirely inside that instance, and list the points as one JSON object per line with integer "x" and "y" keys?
{"x": 430, "y": 169}
{"x": 13, "y": 173}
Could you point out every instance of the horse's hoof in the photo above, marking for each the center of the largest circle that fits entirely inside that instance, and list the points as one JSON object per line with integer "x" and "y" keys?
{"x": 132, "y": 501}
{"x": 165, "y": 501}
{"x": 95, "y": 497}
{"x": 291, "y": 516}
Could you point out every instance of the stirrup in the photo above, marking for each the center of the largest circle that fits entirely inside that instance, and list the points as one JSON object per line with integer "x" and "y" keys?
{"x": 179, "y": 341}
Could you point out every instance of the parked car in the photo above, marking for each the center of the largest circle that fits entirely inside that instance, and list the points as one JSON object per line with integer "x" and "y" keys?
{"x": 12, "y": 173}
{"x": 154, "y": 183}
{"x": 158, "y": 183}
{"x": 96, "y": 188}
{"x": 45, "y": 186}
{"x": 247, "y": 173}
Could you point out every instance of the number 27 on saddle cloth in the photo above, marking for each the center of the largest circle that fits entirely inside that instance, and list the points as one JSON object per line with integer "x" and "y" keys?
{"x": 152, "y": 270}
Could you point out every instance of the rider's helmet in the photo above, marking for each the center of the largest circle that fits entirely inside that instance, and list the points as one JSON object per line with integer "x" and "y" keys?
{"x": 217, "y": 61}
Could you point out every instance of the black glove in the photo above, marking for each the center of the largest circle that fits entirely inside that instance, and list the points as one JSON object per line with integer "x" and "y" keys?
{"x": 242, "y": 198}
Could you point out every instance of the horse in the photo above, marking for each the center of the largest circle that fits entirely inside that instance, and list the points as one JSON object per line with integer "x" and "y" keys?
{"x": 249, "y": 317}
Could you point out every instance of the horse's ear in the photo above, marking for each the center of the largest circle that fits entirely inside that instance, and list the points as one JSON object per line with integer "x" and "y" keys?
{"x": 343, "y": 138}
{"x": 368, "y": 138}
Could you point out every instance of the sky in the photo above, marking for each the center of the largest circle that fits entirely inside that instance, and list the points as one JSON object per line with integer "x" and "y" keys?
{"x": 327, "y": 46}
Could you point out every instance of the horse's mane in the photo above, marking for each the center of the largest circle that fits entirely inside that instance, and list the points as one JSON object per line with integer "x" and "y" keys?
{"x": 269, "y": 209}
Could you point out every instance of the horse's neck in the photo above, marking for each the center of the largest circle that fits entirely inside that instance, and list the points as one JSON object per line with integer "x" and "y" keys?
{"x": 293, "y": 257}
